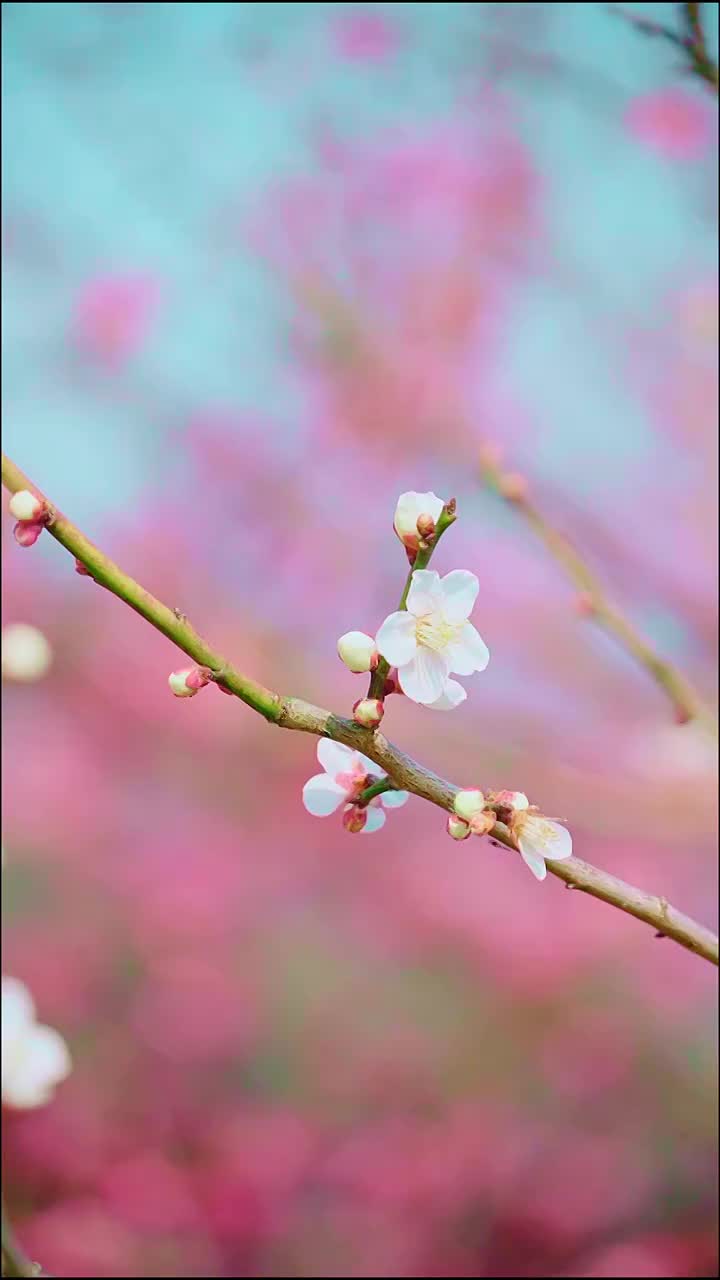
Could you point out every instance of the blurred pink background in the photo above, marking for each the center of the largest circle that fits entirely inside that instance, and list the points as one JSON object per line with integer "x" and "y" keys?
{"x": 296, "y": 1052}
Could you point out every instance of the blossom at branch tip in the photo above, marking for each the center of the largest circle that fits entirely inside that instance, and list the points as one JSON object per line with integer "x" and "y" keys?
{"x": 346, "y": 775}
{"x": 185, "y": 684}
{"x": 26, "y": 653}
{"x": 357, "y": 650}
{"x": 27, "y": 507}
{"x": 540, "y": 839}
{"x": 411, "y": 507}
{"x": 467, "y": 803}
{"x": 432, "y": 637}
{"x": 35, "y": 1058}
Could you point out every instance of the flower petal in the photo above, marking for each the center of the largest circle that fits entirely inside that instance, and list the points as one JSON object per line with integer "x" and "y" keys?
{"x": 334, "y": 757}
{"x": 396, "y": 638}
{"x": 423, "y": 680}
{"x": 43, "y": 1063}
{"x": 534, "y": 861}
{"x": 425, "y": 594}
{"x": 469, "y": 653}
{"x": 368, "y": 765}
{"x": 375, "y": 820}
{"x": 460, "y": 589}
{"x": 559, "y": 846}
{"x": 394, "y": 799}
{"x": 452, "y": 695}
{"x": 322, "y": 795}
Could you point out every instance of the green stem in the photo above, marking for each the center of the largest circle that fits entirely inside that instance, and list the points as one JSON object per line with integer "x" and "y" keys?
{"x": 173, "y": 624}
{"x": 377, "y": 789}
{"x": 422, "y": 559}
{"x": 14, "y": 1261}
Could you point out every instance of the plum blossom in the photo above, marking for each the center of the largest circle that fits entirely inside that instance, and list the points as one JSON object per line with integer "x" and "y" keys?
{"x": 35, "y": 1058}
{"x": 433, "y": 637}
{"x": 26, "y": 653}
{"x": 357, "y": 650}
{"x": 27, "y": 507}
{"x": 412, "y": 507}
{"x": 540, "y": 839}
{"x": 346, "y": 775}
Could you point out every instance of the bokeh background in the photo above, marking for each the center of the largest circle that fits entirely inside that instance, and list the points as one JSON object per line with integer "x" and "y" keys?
{"x": 265, "y": 267}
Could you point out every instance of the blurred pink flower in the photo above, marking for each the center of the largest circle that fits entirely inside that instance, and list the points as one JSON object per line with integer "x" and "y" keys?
{"x": 365, "y": 37}
{"x": 671, "y": 122}
{"x": 113, "y": 314}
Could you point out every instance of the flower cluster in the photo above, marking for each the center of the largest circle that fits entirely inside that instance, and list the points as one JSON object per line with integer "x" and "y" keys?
{"x": 539, "y": 839}
{"x": 346, "y": 775}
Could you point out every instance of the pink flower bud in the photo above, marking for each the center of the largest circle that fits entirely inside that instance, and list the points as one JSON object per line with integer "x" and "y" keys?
{"x": 425, "y": 525}
{"x": 27, "y": 508}
{"x": 26, "y": 534}
{"x": 81, "y": 569}
{"x": 354, "y": 819}
{"x": 185, "y": 684}
{"x": 368, "y": 712}
{"x": 682, "y": 715}
{"x": 513, "y": 486}
{"x": 482, "y": 823}
{"x": 585, "y": 604}
{"x": 222, "y": 689}
{"x": 456, "y": 828}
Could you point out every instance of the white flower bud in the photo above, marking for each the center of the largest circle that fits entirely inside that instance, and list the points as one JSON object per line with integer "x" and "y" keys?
{"x": 358, "y": 651}
{"x": 468, "y": 803}
{"x": 26, "y": 654}
{"x": 24, "y": 505}
{"x": 368, "y": 712}
{"x": 178, "y": 683}
{"x": 456, "y": 828}
{"x": 35, "y": 1058}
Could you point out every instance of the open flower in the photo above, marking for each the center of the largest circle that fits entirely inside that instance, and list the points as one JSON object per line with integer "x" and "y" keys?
{"x": 34, "y": 1058}
{"x": 433, "y": 637}
{"x": 347, "y": 774}
{"x": 540, "y": 839}
{"x": 410, "y": 508}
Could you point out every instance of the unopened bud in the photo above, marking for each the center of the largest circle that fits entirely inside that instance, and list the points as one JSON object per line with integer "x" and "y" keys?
{"x": 456, "y": 828}
{"x": 368, "y": 712}
{"x": 513, "y": 486}
{"x": 357, "y": 650}
{"x": 185, "y": 684}
{"x": 26, "y": 653}
{"x": 482, "y": 823}
{"x": 28, "y": 508}
{"x": 510, "y": 800}
{"x": 467, "y": 803}
{"x": 82, "y": 569}
{"x": 222, "y": 689}
{"x": 425, "y": 525}
{"x": 26, "y": 535}
{"x": 354, "y": 819}
{"x": 585, "y": 604}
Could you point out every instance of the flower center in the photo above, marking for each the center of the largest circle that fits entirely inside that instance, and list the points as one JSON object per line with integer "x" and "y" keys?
{"x": 435, "y": 632}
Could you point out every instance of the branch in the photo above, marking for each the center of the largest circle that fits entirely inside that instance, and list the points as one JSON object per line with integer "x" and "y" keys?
{"x": 594, "y": 602}
{"x": 293, "y": 713}
{"x": 14, "y": 1261}
{"x": 692, "y": 43}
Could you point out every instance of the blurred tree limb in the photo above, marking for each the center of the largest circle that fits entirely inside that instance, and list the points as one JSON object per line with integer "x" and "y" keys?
{"x": 592, "y": 601}
{"x": 14, "y": 1261}
{"x": 690, "y": 39}
{"x": 293, "y": 713}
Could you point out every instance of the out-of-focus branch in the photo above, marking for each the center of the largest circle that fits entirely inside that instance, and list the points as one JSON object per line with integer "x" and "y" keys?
{"x": 592, "y": 600}
{"x": 406, "y": 774}
{"x": 14, "y": 1261}
{"x": 690, "y": 41}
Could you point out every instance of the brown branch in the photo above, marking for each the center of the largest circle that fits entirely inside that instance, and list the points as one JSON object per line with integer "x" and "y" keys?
{"x": 692, "y": 43}
{"x": 406, "y": 773}
{"x": 595, "y": 604}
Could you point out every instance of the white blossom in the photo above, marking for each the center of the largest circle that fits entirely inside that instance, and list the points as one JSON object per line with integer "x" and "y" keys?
{"x": 35, "y": 1058}
{"x": 26, "y": 652}
{"x": 432, "y": 637}
{"x": 410, "y": 506}
{"x": 540, "y": 839}
{"x": 346, "y": 775}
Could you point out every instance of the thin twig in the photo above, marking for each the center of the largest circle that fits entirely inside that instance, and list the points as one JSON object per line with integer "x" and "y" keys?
{"x": 14, "y": 1261}
{"x": 595, "y": 604}
{"x": 692, "y": 43}
{"x": 293, "y": 713}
